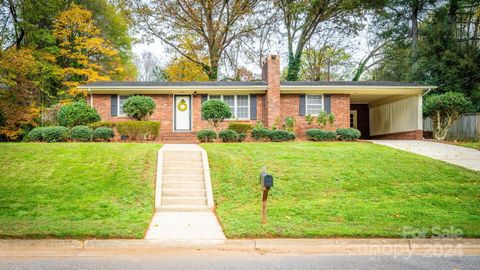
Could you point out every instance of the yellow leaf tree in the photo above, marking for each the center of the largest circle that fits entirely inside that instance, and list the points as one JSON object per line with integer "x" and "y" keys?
{"x": 18, "y": 71}
{"x": 182, "y": 68}
{"x": 84, "y": 55}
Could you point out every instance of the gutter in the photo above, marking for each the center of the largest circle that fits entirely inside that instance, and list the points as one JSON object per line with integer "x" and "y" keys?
{"x": 428, "y": 91}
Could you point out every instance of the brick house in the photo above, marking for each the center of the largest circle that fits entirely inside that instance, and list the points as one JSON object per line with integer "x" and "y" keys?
{"x": 389, "y": 110}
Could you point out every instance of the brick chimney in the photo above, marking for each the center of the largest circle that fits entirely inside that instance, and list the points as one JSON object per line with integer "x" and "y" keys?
{"x": 271, "y": 75}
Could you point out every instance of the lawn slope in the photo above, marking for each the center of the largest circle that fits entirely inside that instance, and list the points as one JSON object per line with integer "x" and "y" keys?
{"x": 340, "y": 189}
{"x": 76, "y": 190}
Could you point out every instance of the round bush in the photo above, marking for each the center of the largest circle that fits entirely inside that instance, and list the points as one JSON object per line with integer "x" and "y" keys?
{"x": 98, "y": 124}
{"x": 36, "y": 134}
{"x": 260, "y": 133}
{"x": 242, "y": 137}
{"x": 81, "y": 134}
{"x": 228, "y": 135}
{"x": 316, "y": 134}
{"x": 103, "y": 134}
{"x": 206, "y": 135}
{"x": 139, "y": 107}
{"x": 215, "y": 111}
{"x": 281, "y": 135}
{"x": 55, "y": 134}
{"x": 348, "y": 134}
{"x": 76, "y": 114}
{"x": 239, "y": 127}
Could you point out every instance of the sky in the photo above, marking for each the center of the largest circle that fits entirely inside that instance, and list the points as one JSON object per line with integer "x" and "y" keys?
{"x": 358, "y": 50}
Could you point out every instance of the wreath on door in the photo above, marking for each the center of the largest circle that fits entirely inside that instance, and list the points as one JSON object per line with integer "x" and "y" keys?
{"x": 182, "y": 105}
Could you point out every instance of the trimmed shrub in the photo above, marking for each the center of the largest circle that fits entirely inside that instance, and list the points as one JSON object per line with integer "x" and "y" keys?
{"x": 206, "y": 135}
{"x": 81, "y": 134}
{"x": 316, "y": 134}
{"x": 77, "y": 114}
{"x": 348, "y": 134}
{"x": 281, "y": 135}
{"x": 98, "y": 124}
{"x": 215, "y": 111}
{"x": 260, "y": 133}
{"x": 139, "y": 107}
{"x": 141, "y": 130}
{"x": 228, "y": 135}
{"x": 239, "y": 127}
{"x": 103, "y": 134}
{"x": 55, "y": 134}
{"x": 242, "y": 137}
{"x": 36, "y": 134}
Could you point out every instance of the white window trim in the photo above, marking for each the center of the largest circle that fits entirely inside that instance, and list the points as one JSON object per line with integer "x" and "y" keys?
{"x": 119, "y": 114}
{"x": 235, "y": 106}
{"x": 306, "y": 104}
{"x": 355, "y": 118}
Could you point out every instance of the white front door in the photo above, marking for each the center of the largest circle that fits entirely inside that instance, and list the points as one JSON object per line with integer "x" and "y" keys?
{"x": 182, "y": 113}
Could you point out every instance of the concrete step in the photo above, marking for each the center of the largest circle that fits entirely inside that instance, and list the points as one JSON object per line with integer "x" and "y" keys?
{"x": 172, "y": 192}
{"x": 182, "y": 164}
{"x": 191, "y": 200}
{"x": 182, "y": 185}
{"x": 183, "y": 208}
{"x": 182, "y": 159}
{"x": 182, "y": 154}
{"x": 183, "y": 178}
{"x": 182, "y": 170}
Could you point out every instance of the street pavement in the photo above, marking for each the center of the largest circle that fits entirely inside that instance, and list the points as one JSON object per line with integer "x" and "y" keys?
{"x": 201, "y": 260}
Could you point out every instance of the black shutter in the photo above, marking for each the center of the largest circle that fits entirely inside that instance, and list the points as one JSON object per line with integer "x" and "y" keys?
{"x": 204, "y": 98}
{"x": 114, "y": 105}
{"x": 253, "y": 107}
{"x": 328, "y": 106}
{"x": 302, "y": 105}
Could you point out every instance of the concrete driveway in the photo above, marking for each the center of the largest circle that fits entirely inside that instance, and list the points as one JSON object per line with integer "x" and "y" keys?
{"x": 461, "y": 156}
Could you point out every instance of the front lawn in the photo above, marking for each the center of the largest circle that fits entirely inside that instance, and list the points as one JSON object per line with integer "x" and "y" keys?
{"x": 474, "y": 145}
{"x": 340, "y": 189}
{"x": 76, "y": 190}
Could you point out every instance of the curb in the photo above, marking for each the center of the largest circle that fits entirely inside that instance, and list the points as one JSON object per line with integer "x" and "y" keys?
{"x": 379, "y": 246}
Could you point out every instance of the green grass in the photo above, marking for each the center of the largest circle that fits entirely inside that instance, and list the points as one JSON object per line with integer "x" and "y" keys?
{"x": 474, "y": 145}
{"x": 340, "y": 189}
{"x": 76, "y": 190}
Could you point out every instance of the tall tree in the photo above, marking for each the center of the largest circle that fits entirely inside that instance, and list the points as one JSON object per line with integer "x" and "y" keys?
{"x": 216, "y": 23}
{"x": 302, "y": 19}
{"x": 84, "y": 56}
{"x": 18, "y": 103}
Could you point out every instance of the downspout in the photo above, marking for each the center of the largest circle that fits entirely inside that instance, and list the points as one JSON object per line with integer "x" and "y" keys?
{"x": 91, "y": 97}
{"x": 428, "y": 91}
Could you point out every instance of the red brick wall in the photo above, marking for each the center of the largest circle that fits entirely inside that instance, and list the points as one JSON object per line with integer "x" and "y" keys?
{"x": 407, "y": 135}
{"x": 289, "y": 106}
{"x": 164, "y": 112}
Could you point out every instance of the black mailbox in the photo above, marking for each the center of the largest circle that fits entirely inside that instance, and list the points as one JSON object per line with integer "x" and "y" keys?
{"x": 266, "y": 180}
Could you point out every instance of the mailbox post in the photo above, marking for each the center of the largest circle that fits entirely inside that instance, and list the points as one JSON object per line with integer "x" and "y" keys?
{"x": 266, "y": 181}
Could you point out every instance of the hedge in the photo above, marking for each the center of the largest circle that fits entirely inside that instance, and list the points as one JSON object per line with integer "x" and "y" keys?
{"x": 206, "y": 135}
{"x": 260, "y": 133}
{"x": 139, "y": 130}
{"x": 348, "y": 134}
{"x": 81, "y": 134}
{"x": 240, "y": 128}
{"x": 103, "y": 134}
{"x": 281, "y": 135}
{"x": 316, "y": 134}
{"x": 98, "y": 124}
{"x": 228, "y": 135}
{"x": 36, "y": 134}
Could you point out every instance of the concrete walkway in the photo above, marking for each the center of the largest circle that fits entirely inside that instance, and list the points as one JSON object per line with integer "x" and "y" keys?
{"x": 183, "y": 196}
{"x": 461, "y": 156}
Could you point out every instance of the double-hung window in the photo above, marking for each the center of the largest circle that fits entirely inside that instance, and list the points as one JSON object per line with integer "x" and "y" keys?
{"x": 239, "y": 105}
{"x": 313, "y": 104}
{"x": 121, "y": 100}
